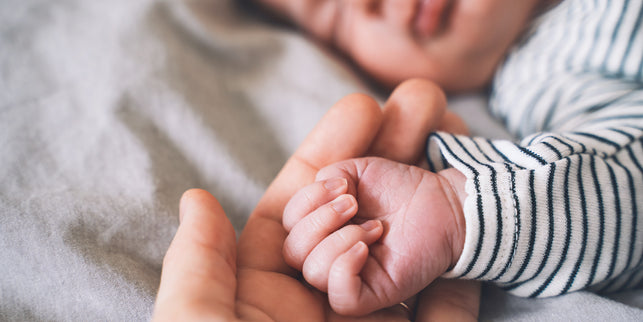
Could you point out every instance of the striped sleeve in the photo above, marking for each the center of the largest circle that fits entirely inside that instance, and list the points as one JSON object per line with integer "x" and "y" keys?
{"x": 558, "y": 211}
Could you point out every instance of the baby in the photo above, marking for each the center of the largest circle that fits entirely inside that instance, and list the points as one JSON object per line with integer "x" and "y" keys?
{"x": 553, "y": 213}
{"x": 456, "y": 44}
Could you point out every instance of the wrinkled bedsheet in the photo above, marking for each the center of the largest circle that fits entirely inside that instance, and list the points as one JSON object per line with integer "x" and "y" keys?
{"x": 109, "y": 110}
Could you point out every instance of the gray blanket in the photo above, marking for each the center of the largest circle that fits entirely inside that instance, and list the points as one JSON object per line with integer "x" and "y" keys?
{"x": 109, "y": 110}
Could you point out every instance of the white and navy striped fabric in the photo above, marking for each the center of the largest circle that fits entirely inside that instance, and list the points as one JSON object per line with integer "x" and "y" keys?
{"x": 559, "y": 210}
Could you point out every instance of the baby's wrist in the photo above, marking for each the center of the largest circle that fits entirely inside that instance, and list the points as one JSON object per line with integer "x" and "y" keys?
{"x": 454, "y": 189}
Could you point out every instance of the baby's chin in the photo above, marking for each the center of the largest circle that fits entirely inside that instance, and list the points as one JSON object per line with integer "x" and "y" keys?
{"x": 452, "y": 83}
{"x": 454, "y": 71}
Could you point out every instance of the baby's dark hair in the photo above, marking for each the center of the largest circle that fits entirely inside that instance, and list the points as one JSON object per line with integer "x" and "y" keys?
{"x": 262, "y": 12}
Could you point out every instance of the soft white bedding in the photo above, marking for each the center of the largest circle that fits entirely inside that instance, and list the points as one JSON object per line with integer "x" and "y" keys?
{"x": 109, "y": 110}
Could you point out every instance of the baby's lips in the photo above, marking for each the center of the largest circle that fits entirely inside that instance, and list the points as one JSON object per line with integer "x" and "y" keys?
{"x": 429, "y": 16}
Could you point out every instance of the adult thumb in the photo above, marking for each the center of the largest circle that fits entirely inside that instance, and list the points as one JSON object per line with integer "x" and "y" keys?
{"x": 199, "y": 269}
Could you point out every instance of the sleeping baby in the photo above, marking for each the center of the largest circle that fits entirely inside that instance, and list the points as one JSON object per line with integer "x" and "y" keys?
{"x": 554, "y": 212}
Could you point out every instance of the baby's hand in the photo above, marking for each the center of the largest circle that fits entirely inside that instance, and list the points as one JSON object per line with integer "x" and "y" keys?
{"x": 373, "y": 232}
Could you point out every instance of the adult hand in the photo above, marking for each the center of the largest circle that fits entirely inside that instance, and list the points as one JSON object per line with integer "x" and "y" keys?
{"x": 206, "y": 277}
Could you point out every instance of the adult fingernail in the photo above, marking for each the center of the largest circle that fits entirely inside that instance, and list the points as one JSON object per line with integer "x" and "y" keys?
{"x": 342, "y": 204}
{"x": 370, "y": 225}
{"x": 335, "y": 184}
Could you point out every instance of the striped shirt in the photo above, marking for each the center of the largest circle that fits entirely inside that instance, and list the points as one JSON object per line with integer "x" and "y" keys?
{"x": 558, "y": 211}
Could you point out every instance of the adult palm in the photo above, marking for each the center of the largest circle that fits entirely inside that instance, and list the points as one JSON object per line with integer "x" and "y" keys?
{"x": 208, "y": 276}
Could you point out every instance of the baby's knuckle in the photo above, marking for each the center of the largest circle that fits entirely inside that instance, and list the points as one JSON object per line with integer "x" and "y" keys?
{"x": 291, "y": 254}
{"x": 315, "y": 273}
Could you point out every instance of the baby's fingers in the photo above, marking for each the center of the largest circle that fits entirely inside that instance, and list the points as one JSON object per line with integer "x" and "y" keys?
{"x": 344, "y": 281}
{"x": 317, "y": 265}
{"x": 351, "y": 294}
{"x": 316, "y": 226}
{"x": 311, "y": 197}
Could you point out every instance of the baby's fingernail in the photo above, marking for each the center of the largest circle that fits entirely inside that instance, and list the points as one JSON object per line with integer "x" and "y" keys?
{"x": 342, "y": 204}
{"x": 335, "y": 183}
{"x": 370, "y": 225}
{"x": 357, "y": 248}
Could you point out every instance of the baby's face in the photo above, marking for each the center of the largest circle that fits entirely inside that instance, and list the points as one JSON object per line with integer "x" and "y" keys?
{"x": 456, "y": 43}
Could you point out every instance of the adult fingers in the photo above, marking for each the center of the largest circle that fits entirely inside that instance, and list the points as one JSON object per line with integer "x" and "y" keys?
{"x": 452, "y": 123}
{"x": 199, "y": 269}
{"x": 449, "y": 300}
{"x": 346, "y": 131}
{"x": 414, "y": 109}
